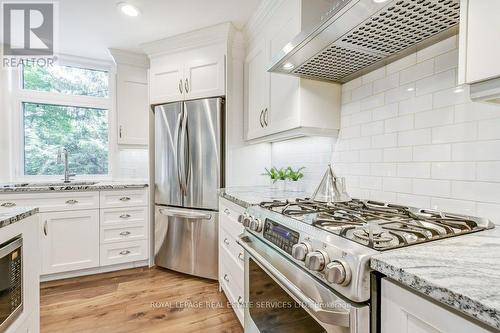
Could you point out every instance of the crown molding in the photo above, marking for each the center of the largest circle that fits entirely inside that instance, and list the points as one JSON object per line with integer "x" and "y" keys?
{"x": 121, "y": 57}
{"x": 262, "y": 14}
{"x": 215, "y": 34}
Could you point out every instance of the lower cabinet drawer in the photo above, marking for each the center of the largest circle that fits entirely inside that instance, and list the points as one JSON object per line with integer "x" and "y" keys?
{"x": 233, "y": 249}
{"x": 123, "y": 233}
{"x": 114, "y": 216}
{"x": 233, "y": 287}
{"x": 118, "y": 253}
{"x": 52, "y": 202}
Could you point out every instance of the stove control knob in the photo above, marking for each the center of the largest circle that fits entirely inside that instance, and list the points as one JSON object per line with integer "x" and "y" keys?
{"x": 300, "y": 250}
{"x": 338, "y": 272}
{"x": 316, "y": 260}
{"x": 256, "y": 225}
{"x": 241, "y": 217}
{"x": 246, "y": 221}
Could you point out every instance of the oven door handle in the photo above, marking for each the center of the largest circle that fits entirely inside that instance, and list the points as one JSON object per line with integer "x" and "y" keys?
{"x": 332, "y": 317}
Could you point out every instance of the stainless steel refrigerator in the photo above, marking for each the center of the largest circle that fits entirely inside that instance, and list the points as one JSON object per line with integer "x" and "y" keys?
{"x": 189, "y": 165}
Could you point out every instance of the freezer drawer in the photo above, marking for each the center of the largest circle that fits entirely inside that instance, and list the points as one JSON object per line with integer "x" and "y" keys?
{"x": 186, "y": 240}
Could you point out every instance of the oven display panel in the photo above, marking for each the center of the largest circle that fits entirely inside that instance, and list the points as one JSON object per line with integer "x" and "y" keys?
{"x": 280, "y": 236}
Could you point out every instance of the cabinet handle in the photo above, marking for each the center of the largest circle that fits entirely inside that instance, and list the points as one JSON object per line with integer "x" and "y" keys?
{"x": 226, "y": 241}
{"x": 125, "y": 252}
{"x": 240, "y": 300}
{"x": 120, "y": 131}
{"x": 186, "y": 85}
{"x": 124, "y": 199}
{"x": 45, "y": 228}
{"x": 266, "y": 117}
{"x": 8, "y": 204}
{"x": 241, "y": 257}
{"x": 72, "y": 202}
{"x": 124, "y": 233}
{"x": 124, "y": 216}
{"x": 227, "y": 211}
{"x": 260, "y": 118}
{"x": 180, "y": 86}
{"x": 226, "y": 277}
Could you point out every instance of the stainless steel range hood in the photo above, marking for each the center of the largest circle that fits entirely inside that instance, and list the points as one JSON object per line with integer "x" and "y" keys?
{"x": 358, "y": 36}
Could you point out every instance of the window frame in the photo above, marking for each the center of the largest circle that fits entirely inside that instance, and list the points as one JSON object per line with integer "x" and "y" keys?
{"x": 44, "y": 97}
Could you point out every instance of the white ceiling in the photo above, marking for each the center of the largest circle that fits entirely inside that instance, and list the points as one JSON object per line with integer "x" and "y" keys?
{"x": 89, "y": 27}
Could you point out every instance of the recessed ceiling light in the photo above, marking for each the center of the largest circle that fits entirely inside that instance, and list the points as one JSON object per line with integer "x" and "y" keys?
{"x": 288, "y": 66}
{"x": 128, "y": 9}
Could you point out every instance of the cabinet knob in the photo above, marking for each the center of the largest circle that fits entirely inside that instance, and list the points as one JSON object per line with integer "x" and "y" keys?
{"x": 125, "y": 252}
{"x": 240, "y": 300}
{"x": 72, "y": 202}
{"x": 45, "y": 228}
{"x": 186, "y": 85}
{"x": 124, "y": 216}
{"x": 226, "y": 241}
{"x": 120, "y": 131}
{"x": 260, "y": 118}
{"x": 124, "y": 233}
{"x": 266, "y": 117}
{"x": 226, "y": 277}
{"x": 124, "y": 199}
{"x": 241, "y": 256}
{"x": 227, "y": 211}
{"x": 8, "y": 204}
{"x": 180, "y": 86}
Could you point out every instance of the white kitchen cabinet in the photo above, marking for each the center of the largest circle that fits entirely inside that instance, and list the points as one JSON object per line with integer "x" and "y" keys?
{"x": 196, "y": 73}
{"x": 279, "y": 106}
{"x": 405, "y": 311}
{"x": 69, "y": 240}
{"x": 132, "y": 97}
{"x": 231, "y": 256}
{"x": 479, "y": 47}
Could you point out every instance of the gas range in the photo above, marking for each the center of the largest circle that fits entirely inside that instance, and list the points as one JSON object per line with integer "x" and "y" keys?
{"x": 334, "y": 242}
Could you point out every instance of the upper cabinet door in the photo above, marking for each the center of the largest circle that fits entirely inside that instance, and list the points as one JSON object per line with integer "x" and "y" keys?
{"x": 479, "y": 46}
{"x": 283, "y": 113}
{"x": 132, "y": 105}
{"x": 257, "y": 90}
{"x": 204, "y": 73}
{"x": 167, "y": 79}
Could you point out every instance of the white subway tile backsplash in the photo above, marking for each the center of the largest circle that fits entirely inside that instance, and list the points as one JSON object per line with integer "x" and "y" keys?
{"x": 475, "y": 111}
{"x": 373, "y": 128}
{"x": 418, "y": 201}
{"x": 432, "y": 153}
{"x": 360, "y": 143}
{"x": 476, "y": 191}
{"x": 414, "y": 137}
{"x": 489, "y": 129}
{"x": 361, "y": 117}
{"x": 488, "y": 171}
{"x": 416, "y": 104}
{"x": 451, "y": 96}
{"x": 383, "y": 196}
{"x": 384, "y": 169}
{"x": 385, "y": 140}
{"x": 416, "y": 72}
{"x": 436, "y": 82}
{"x": 389, "y": 82}
{"x": 371, "y": 183}
{"x": 371, "y": 155}
{"x": 489, "y": 211}
{"x": 372, "y": 102}
{"x": 454, "y": 206}
{"x": 400, "y": 185}
{"x": 435, "y": 117}
{"x": 351, "y": 85}
{"x": 404, "y": 154}
{"x": 402, "y": 123}
{"x": 400, "y": 94}
{"x": 374, "y": 75}
{"x": 385, "y": 112}
{"x": 401, "y": 64}
{"x": 362, "y": 92}
{"x": 476, "y": 151}
{"x": 454, "y": 133}
{"x": 351, "y": 108}
{"x": 414, "y": 170}
{"x": 446, "y": 61}
{"x": 350, "y": 132}
{"x": 437, "y": 49}
{"x": 454, "y": 170}
{"x": 431, "y": 187}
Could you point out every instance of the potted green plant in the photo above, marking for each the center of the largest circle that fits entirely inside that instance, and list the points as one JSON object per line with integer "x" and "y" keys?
{"x": 294, "y": 177}
{"x": 277, "y": 176}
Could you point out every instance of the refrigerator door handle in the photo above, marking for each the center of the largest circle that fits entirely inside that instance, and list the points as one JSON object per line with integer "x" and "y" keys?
{"x": 177, "y": 153}
{"x": 185, "y": 151}
{"x": 186, "y": 214}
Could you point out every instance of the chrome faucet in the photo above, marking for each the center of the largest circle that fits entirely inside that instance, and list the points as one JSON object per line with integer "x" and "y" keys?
{"x": 67, "y": 174}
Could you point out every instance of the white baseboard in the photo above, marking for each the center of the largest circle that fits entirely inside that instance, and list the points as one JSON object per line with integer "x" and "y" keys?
{"x": 91, "y": 271}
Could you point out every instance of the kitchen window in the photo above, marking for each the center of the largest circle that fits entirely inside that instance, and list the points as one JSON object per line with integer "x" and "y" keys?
{"x": 64, "y": 106}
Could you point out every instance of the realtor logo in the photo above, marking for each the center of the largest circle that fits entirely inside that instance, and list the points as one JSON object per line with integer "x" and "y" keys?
{"x": 28, "y": 29}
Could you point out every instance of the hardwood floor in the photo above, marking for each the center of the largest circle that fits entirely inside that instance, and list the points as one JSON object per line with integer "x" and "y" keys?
{"x": 136, "y": 300}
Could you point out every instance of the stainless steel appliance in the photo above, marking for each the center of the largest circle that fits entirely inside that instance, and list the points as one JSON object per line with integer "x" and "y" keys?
{"x": 189, "y": 165}
{"x": 357, "y": 36}
{"x": 314, "y": 258}
{"x": 11, "y": 282}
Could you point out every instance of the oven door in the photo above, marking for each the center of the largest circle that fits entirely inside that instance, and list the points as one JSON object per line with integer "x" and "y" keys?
{"x": 11, "y": 282}
{"x": 281, "y": 297}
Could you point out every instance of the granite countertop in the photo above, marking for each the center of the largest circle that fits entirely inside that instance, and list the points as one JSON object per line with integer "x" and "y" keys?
{"x": 462, "y": 272}
{"x": 252, "y": 195}
{"x": 74, "y": 186}
{"x": 9, "y": 216}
